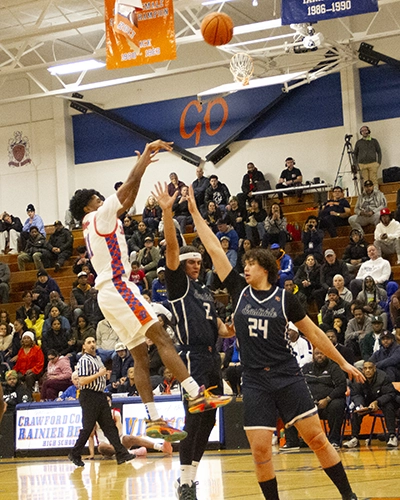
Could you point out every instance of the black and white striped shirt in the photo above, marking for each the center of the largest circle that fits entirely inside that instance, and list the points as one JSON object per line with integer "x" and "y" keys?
{"x": 90, "y": 365}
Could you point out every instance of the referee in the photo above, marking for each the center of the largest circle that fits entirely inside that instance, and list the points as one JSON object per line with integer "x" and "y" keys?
{"x": 95, "y": 407}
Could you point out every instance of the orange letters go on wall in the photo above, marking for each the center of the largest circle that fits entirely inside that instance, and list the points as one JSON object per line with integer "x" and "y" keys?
{"x": 207, "y": 119}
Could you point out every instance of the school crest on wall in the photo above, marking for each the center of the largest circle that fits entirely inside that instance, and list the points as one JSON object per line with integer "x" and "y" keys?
{"x": 18, "y": 150}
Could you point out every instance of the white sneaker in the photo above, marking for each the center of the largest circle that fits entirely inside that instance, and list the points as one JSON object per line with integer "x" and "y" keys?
{"x": 12, "y": 252}
{"x": 353, "y": 443}
{"x": 393, "y": 442}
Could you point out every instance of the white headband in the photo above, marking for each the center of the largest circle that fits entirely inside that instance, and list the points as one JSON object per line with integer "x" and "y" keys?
{"x": 190, "y": 255}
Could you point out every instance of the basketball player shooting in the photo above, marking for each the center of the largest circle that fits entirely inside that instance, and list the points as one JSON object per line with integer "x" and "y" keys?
{"x": 120, "y": 300}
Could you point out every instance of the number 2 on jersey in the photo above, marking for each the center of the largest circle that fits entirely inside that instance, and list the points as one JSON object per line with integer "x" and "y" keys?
{"x": 257, "y": 326}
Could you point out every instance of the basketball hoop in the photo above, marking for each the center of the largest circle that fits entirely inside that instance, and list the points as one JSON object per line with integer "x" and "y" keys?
{"x": 242, "y": 67}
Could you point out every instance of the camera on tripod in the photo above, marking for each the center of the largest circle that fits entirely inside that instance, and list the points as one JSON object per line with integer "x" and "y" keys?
{"x": 347, "y": 137}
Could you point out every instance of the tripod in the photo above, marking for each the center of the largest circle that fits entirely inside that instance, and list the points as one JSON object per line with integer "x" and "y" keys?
{"x": 354, "y": 168}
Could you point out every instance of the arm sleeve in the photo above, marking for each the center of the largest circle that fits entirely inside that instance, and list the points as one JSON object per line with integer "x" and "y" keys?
{"x": 235, "y": 284}
{"x": 177, "y": 283}
{"x": 293, "y": 308}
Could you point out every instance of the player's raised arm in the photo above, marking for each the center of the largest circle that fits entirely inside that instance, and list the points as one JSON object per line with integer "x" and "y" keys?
{"x": 209, "y": 240}
{"x": 128, "y": 191}
{"x": 166, "y": 202}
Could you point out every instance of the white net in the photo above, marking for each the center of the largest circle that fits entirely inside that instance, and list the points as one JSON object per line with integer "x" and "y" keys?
{"x": 242, "y": 67}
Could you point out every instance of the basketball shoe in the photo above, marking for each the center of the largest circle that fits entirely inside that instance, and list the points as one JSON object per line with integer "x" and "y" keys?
{"x": 206, "y": 400}
{"x": 160, "y": 429}
{"x": 186, "y": 492}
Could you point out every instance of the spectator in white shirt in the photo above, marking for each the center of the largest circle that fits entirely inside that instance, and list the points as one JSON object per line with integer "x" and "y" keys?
{"x": 387, "y": 235}
{"x": 376, "y": 266}
{"x": 301, "y": 347}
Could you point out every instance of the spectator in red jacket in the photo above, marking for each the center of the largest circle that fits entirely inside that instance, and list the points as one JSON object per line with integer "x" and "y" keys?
{"x": 30, "y": 360}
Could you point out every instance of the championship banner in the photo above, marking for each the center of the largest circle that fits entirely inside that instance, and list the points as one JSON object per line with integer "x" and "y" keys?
{"x": 311, "y": 11}
{"x": 137, "y": 36}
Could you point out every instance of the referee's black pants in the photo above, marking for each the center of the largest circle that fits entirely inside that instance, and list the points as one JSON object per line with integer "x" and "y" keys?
{"x": 95, "y": 408}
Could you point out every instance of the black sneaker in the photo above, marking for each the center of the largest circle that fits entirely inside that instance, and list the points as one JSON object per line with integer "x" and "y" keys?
{"x": 289, "y": 447}
{"x": 126, "y": 457}
{"x": 76, "y": 460}
{"x": 186, "y": 492}
{"x": 353, "y": 496}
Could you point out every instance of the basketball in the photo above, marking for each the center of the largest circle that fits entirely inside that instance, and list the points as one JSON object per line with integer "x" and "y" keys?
{"x": 217, "y": 28}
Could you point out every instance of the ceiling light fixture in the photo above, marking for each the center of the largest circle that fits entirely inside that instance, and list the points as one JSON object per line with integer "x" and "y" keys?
{"x": 76, "y": 67}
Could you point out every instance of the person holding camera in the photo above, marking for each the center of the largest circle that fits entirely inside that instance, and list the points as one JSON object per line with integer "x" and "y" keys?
{"x": 312, "y": 238}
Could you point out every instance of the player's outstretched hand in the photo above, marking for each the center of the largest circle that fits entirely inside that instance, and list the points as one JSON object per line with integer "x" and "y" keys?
{"x": 162, "y": 196}
{"x": 192, "y": 206}
{"x": 353, "y": 373}
{"x": 152, "y": 148}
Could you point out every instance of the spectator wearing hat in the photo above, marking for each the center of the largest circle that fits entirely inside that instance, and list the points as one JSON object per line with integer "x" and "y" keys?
{"x": 33, "y": 220}
{"x": 284, "y": 263}
{"x": 121, "y": 362}
{"x": 387, "y": 235}
{"x": 376, "y": 393}
{"x": 48, "y": 284}
{"x": 30, "y": 361}
{"x": 368, "y": 207}
{"x": 356, "y": 251}
{"x": 368, "y": 154}
{"x": 335, "y": 307}
{"x": 335, "y": 212}
{"x": 371, "y": 341}
{"x": 10, "y": 230}
{"x": 36, "y": 250}
{"x": 148, "y": 258}
{"x": 159, "y": 287}
{"x": 387, "y": 357}
{"x": 79, "y": 294}
{"x": 290, "y": 177}
{"x": 61, "y": 242}
{"x": 224, "y": 229}
{"x": 217, "y": 192}
{"x": 330, "y": 268}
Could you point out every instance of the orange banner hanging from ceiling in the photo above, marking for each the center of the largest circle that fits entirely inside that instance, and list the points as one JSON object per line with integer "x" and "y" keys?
{"x": 146, "y": 37}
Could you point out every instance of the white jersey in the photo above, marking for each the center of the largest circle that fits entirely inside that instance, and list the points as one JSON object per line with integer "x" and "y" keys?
{"x": 105, "y": 241}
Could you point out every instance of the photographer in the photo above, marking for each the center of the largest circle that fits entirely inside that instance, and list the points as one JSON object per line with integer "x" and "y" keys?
{"x": 312, "y": 238}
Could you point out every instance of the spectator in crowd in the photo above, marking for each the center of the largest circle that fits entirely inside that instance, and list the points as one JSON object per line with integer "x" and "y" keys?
{"x": 215, "y": 283}
{"x": 33, "y": 220}
{"x": 55, "y": 313}
{"x": 4, "y": 283}
{"x": 225, "y": 230}
{"x": 138, "y": 276}
{"x": 236, "y": 216}
{"x": 356, "y": 252}
{"x": 157, "y": 306}
{"x": 36, "y": 250}
{"x": 394, "y": 307}
{"x": 387, "y": 235}
{"x": 284, "y": 263}
{"x": 217, "y": 192}
{"x": 290, "y": 177}
{"x": 212, "y": 215}
{"x": 175, "y": 184}
{"x": 106, "y": 337}
{"x": 131, "y": 211}
{"x": 14, "y": 391}
{"x": 376, "y": 393}
{"x": 243, "y": 247}
{"x": 330, "y": 268}
{"x": 181, "y": 211}
{"x": 300, "y": 346}
{"x": 120, "y": 364}
{"x": 391, "y": 289}
{"x": 275, "y": 227}
{"x": 376, "y": 266}
{"x": 130, "y": 225}
{"x": 369, "y": 204}
{"x": 344, "y": 292}
{"x": 308, "y": 279}
{"x": 249, "y": 182}
{"x": 57, "y": 339}
{"x": 57, "y": 377}
{"x": 335, "y": 212}
{"x": 35, "y": 323}
{"x": 368, "y": 154}
{"x": 312, "y": 238}
{"x": 47, "y": 284}
{"x": 151, "y": 214}
{"x": 290, "y": 286}
{"x": 61, "y": 243}
{"x": 83, "y": 259}
{"x": 200, "y": 184}
{"x": 91, "y": 308}
{"x": 30, "y": 361}
{"x": 387, "y": 357}
{"x": 55, "y": 300}
{"x": 80, "y": 332}
{"x": 22, "y": 312}
{"x": 128, "y": 386}
{"x": 70, "y": 222}
{"x": 168, "y": 326}
{"x": 6, "y": 338}
{"x": 39, "y": 298}
{"x": 159, "y": 288}
{"x": 371, "y": 341}
{"x": 10, "y": 230}
{"x": 343, "y": 350}
{"x": 71, "y": 392}
{"x": 169, "y": 384}
{"x": 79, "y": 294}
{"x": 335, "y": 307}
{"x": 255, "y": 225}
{"x": 357, "y": 328}
{"x": 136, "y": 242}
{"x": 148, "y": 258}
{"x": 19, "y": 329}
{"x": 371, "y": 296}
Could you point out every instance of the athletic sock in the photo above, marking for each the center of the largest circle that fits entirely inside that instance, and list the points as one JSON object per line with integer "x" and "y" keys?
{"x": 191, "y": 387}
{"x": 270, "y": 489}
{"x": 338, "y": 476}
{"x": 151, "y": 410}
{"x": 158, "y": 446}
{"x": 186, "y": 474}
{"x": 194, "y": 470}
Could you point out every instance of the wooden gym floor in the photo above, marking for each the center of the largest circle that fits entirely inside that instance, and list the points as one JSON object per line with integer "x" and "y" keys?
{"x": 374, "y": 473}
